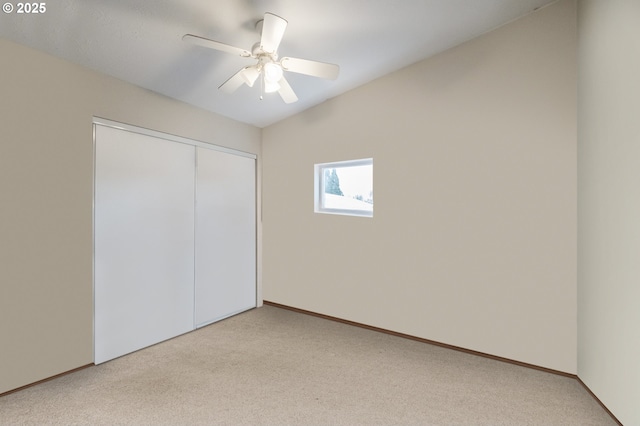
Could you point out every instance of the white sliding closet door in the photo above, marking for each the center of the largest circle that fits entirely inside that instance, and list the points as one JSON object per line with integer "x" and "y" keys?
{"x": 226, "y": 235}
{"x": 144, "y": 241}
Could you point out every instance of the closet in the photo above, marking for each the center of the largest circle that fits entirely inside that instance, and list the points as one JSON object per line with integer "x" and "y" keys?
{"x": 174, "y": 236}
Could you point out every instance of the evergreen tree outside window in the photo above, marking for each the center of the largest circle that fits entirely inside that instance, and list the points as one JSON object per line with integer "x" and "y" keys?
{"x": 332, "y": 182}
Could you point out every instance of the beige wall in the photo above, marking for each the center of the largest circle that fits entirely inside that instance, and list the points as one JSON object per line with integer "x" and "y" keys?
{"x": 473, "y": 239}
{"x": 609, "y": 208}
{"x": 46, "y": 178}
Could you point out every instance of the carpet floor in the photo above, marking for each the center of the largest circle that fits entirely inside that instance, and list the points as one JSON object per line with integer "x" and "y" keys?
{"x": 271, "y": 366}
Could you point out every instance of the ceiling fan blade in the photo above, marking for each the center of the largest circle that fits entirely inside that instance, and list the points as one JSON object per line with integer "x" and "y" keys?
{"x": 286, "y": 92}
{"x": 313, "y": 68}
{"x": 234, "y": 81}
{"x": 273, "y": 28}
{"x": 211, "y": 44}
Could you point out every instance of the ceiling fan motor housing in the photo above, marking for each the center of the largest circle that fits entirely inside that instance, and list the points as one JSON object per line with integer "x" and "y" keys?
{"x": 261, "y": 55}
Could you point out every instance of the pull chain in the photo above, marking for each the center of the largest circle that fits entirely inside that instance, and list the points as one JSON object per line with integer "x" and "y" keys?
{"x": 261, "y": 86}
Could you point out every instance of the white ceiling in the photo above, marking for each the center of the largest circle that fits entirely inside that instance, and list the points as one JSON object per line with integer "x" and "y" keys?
{"x": 139, "y": 41}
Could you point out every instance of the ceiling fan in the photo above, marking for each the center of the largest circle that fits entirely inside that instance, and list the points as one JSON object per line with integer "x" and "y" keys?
{"x": 268, "y": 67}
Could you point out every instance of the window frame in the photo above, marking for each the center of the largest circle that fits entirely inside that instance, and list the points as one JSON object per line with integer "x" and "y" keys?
{"x": 319, "y": 187}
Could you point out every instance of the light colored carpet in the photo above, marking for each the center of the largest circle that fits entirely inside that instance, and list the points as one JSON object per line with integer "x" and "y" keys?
{"x": 277, "y": 367}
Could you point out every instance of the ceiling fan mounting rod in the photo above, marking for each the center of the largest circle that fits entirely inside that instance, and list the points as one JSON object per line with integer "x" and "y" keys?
{"x": 258, "y": 25}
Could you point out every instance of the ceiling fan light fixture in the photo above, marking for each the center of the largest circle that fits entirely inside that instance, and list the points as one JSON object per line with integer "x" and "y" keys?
{"x": 270, "y": 86}
{"x": 250, "y": 75}
{"x": 272, "y": 73}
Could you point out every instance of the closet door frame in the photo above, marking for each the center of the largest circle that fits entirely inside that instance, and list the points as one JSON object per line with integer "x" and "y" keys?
{"x": 97, "y": 121}
{"x": 167, "y": 136}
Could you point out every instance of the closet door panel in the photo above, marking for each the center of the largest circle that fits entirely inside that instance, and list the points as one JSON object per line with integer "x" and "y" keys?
{"x": 225, "y": 236}
{"x": 144, "y": 241}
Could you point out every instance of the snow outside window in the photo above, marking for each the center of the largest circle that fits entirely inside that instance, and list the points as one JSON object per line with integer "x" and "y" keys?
{"x": 345, "y": 187}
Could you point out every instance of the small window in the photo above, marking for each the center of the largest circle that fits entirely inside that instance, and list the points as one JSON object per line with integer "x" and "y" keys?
{"x": 345, "y": 187}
